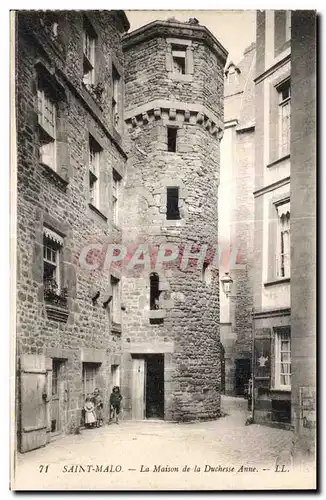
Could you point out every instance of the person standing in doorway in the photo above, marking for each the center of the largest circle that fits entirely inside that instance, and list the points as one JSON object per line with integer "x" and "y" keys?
{"x": 98, "y": 403}
{"x": 90, "y": 415}
{"x": 115, "y": 404}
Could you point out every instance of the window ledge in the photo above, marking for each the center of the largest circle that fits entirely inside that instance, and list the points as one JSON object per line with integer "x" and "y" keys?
{"x": 157, "y": 313}
{"x": 53, "y": 176}
{"x": 98, "y": 212}
{"x": 277, "y": 282}
{"x": 116, "y": 327}
{"x": 180, "y": 77}
{"x": 279, "y": 160}
{"x": 286, "y": 389}
{"x": 56, "y": 313}
{"x": 90, "y": 88}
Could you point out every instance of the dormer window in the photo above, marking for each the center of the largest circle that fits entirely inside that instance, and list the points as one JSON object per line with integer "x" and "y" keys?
{"x": 179, "y": 59}
{"x": 232, "y": 74}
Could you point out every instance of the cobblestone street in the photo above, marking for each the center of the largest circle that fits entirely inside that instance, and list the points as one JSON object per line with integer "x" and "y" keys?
{"x": 136, "y": 446}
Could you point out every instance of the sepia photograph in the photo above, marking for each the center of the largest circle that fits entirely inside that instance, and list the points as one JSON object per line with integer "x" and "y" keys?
{"x": 163, "y": 250}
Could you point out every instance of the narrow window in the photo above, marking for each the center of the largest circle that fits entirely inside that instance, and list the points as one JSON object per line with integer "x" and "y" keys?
{"x": 116, "y": 91}
{"x": 52, "y": 266}
{"x": 154, "y": 291}
{"x": 47, "y": 113}
{"x": 179, "y": 59}
{"x": 94, "y": 172}
{"x": 172, "y": 203}
{"x": 172, "y": 139}
{"x": 283, "y": 360}
{"x": 116, "y": 181}
{"x": 206, "y": 274}
{"x": 284, "y": 118}
{"x": 283, "y": 241}
{"x": 88, "y": 55}
{"x": 115, "y": 304}
{"x": 154, "y": 298}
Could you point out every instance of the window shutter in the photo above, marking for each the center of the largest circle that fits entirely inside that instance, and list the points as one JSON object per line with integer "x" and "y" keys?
{"x": 262, "y": 362}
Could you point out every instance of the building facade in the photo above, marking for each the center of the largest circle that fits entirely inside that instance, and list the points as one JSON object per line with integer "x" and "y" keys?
{"x": 272, "y": 326}
{"x": 236, "y": 221}
{"x": 107, "y": 154}
{"x": 303, "y": 231}
{"x": 284, "y": 271}
{"x": 174, "y": 115}
{"x": 69, "y": 71}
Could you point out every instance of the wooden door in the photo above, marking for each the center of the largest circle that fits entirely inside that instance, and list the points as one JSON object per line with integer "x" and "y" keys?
{"x": 138, "y": 388}
{"x": 59, "y": 396}
{"x": 35, "y": 395}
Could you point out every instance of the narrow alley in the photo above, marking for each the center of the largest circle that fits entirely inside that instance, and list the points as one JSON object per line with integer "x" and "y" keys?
{"x": 149, "y": 455}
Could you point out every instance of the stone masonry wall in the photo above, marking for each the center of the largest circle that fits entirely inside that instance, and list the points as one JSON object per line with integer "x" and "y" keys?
{"x": 147, "y": 70}
{"x": 61, "y": 200}
{"x": 191, "y": 322}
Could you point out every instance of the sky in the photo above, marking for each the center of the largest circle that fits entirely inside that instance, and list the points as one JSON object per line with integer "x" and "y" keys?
{"x": 234, "y": 29}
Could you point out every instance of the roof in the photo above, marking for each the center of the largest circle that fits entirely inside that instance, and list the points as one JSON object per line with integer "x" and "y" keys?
{"x": 189, "y": 30}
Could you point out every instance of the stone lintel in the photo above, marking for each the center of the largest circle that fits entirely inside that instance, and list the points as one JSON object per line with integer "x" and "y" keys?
{"x": 149, "y": 347}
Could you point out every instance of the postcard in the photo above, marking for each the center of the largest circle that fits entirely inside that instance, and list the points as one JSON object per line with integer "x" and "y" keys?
{"x": 163, "y": 243}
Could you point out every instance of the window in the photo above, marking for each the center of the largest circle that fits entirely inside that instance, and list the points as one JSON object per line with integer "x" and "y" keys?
{"x": 206, "y": 274}
{"x": 282, "y": 359}
{"x": 116, "y": 180}
{"x": 115, "y": 304}
{"x": 154, "y": 292}
{"x": 288, "y": 25}
{"x": 55, "y": 376}
{"x": 89, "y": 55}
{"x": 172, "y": 139}
{"x": 284, "y": 118}
{"x": 154, "y": 300}
{"x": 172, "y": 203}
{"x": 179, "y": 59}
{"x": 46, "y": 109}
{"x": 94, "y": 172}
{"x": 116, "y": 94}
{"x": 52, "y": 245}
{"x": 283, "y": 241}
{"x": 90, "y": 371}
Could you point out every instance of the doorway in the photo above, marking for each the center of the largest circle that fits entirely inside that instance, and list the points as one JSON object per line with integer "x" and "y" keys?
{"x": 242, "y": 375}
{"x": 148, "y": 387}
{"x": 59, "y": 396}
{"x": 155, "y": 386}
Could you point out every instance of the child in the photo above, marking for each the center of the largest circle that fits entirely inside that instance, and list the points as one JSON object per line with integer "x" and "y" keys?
{"x": 90, "y": 415}
{"x": 98, "y": 403}
{"x": 115, "y": 403}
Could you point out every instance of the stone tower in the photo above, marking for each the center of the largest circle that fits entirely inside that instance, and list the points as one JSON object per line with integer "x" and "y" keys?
{"x": 174, "y": 122}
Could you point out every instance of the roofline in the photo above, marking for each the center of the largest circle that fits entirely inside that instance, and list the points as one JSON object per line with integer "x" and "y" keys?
{"x": 123, "y": 18}
{"x": 177, "y": 30}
